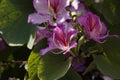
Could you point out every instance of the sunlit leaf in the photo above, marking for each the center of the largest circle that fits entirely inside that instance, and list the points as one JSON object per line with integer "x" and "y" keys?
{"x": 53, "y": 67}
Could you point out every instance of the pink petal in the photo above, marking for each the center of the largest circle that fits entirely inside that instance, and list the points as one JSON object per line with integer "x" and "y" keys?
{"x": 59, "y": 35}
{"x": 71, "y": 34}
{"x": 62, "y": 4}
{"x": 93, "y": 27}
{"x": 62, "y": 16}
{"x": 49, "y": 48}
{"x": 81, "y": 9}
{"x": 41, "y": 6}
{"x": 36, "y": 18}
{"x": 41, "y": 33}
{"x": 73, "y": 44}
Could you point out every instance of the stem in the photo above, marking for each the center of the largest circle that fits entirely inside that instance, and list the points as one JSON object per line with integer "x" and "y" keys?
{"x": 81, "y": 41}
{"x": 6, "y": 63}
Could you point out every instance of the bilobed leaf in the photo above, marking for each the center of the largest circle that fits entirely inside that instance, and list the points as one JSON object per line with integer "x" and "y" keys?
{"x": 53, "y": 66}
{"x": 13, "y": 22}
{"x": 109, "y": 63}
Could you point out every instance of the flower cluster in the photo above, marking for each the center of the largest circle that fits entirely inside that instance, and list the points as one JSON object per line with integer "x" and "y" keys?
{"x": 61, "y": 32}
{"x": 58, "y": 21}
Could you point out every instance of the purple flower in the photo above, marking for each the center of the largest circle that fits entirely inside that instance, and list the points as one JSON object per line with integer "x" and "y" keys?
{"x": 49, "y": 9}
{"x": 41, "y": 33}
{"x": 81, "y": 9}
{"x": 78, "y": 8}
{"x": 2, "y": 44}
{"x": 61, "y": 39}
{"x": 93, "y": 27}
{"x": 78, "y": 64}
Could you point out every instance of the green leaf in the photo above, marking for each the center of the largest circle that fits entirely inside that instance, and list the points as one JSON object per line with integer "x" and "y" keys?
{"x": 53, "y": 66}
{"x": 89, "y": 2}
{"x": 110, "y": 9}
{"x": 47, "y": 67}
{"x": 112, "y": 50}
{"x": 13, "y": 22}
{"x": 115, "y": 30}
{"x": 109, "y": 63}
{"x": 33, "y": 65}
{"x": 34, "y": 59}
{"x": 71, "y": 75}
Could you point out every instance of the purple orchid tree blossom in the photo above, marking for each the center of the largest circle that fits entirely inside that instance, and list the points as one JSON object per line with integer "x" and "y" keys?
{"x": 49, "y": 9}
{"x": 2, "y": 44}
{"x": 61, "y": 39}
{"x": 93, "y": 27}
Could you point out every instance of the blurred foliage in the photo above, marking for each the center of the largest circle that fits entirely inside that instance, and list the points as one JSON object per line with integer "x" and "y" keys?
{"x": 17, "y": 32}
{"x": 12, "y": 62}
{"x": 13, "y": 22}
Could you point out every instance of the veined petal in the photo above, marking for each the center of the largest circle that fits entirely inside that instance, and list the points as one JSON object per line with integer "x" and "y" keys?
{"x": 60, "y": 35}
{"x": 41, "y": 33}
{"x": 103, "y": 28}
{"x": 62, "y": 16}
{"x": 62, "y": 4}
{"x": 93, "y": 27}
{"x": 71, "y": 34}
{"x": 81, "y": 9}
{"x": 49, "y": 48}
{"x": 58, "y": 9}
{"x": 72, "y": 45}
{"x": 82, "y": 20}
{"x": 36, "y": 18}
{"x": 41, "y": 6}
{"x": 49, "y": 9}
{"x": 92, "y": 20}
